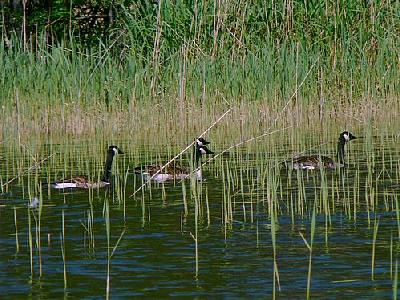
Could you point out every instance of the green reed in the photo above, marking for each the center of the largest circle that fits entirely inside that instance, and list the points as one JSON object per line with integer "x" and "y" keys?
{"x": 391, "y": 256}
{"x": 106, "y": 214}
{"x": 16, "y": 231}
{"x": 30, "y": 242}
{"x": 376, "y": 226}
{"x": 324, "y": 202}
{"x": 184, "y": 199}
{"x": 39, "y": 232}
{"x": 274, "y": 225}
{"x": 309, "y": 245}
{"x": 196, "y": 193}
{"x": 89, "y": 240}
{"x": 395, "y": 281}
{"x": 63, "y": 253}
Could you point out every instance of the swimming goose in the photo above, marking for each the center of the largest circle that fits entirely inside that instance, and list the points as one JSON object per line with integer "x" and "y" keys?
{"x": 173, "y": 171}
{"x": 312, "y": 162}
{"x": 84, "y": 182}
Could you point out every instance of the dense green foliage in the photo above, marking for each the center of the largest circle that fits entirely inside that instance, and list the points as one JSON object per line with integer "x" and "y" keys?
{"x": 211, "y": 27}
{"x": 119, "y": 51}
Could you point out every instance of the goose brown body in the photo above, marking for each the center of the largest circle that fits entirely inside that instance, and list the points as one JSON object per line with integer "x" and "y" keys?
{"x": 174, "y": 171}
{"x": 84, "y": 182}
{"x": 312, "y": 162}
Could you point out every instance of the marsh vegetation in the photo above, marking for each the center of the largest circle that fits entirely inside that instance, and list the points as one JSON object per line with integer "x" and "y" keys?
{"x": 286, "y": 79}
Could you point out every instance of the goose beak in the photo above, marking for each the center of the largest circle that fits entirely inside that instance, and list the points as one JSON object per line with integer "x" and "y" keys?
{"x": 207, "y": 151}
{"x": 352, "y": 137}
{"x": 347, "y": 136}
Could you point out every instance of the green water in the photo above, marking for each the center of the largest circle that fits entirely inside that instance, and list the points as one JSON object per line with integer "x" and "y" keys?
{"x": 155, "y": 257}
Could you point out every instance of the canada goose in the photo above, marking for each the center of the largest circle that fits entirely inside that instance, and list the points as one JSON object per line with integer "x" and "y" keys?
{"x": 83, "y": 181}
{"x": 312, "y": 162}
{"x": 173, "y": 171}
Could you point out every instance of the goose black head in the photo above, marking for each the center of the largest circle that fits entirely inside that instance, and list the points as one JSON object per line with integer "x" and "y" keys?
{"x": 201, "y": 148}
{"x": 346, "y": 136}
{"x": 114, "y": 150}
{"x": 201, "y": 142}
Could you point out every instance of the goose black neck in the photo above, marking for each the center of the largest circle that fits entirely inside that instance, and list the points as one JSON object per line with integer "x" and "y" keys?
{"x": 197, "y": 156}
{"x": 108, "y": 166}
{"x": 340, "y": 150}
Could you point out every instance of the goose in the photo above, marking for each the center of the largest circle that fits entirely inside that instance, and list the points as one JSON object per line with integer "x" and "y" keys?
{"x": 83, "y": 182}
{"x": 173, "y": 171}
{"x": 312, "y": 162}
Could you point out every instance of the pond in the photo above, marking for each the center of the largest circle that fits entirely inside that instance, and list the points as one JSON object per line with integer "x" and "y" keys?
{"x": 250, "y": 221}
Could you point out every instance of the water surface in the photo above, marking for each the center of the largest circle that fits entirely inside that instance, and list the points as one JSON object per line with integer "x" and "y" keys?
{"x": 155, "y": 257}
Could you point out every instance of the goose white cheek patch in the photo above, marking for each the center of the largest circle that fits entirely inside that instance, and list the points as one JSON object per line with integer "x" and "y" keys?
{"x": 199, "y": 142}
{"x": 115, "y": 151}
{"x": 346, "y": 137}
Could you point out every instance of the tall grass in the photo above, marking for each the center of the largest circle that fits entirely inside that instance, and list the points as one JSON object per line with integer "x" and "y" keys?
{"x": 66, "y": 92}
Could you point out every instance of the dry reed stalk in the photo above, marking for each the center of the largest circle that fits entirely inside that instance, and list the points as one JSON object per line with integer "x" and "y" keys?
{"x": 241, "y": 143}
{"x": 156, "y": 49}
{"x": 217, "y": 25}
{"x": 17, "y": 111}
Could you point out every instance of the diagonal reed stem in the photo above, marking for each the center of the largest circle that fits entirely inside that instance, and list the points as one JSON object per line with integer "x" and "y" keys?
{"x": 241, "y": 143}
{"x": 29, "y": 169}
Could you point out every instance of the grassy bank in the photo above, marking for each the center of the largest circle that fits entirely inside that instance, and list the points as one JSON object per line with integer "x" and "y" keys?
{"x": 169, "y": 71}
